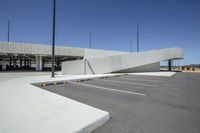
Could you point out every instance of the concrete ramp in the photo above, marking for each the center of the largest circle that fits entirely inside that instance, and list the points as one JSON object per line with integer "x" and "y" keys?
{"x": 131, "y": 62}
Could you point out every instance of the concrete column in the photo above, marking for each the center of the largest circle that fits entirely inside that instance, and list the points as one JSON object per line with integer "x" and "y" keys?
{"x": 15, "y": 63}
{"x": 170, "y": 65}
{"x": 30, "y": 63}
{"x": 39, "y": 63}
{"x": 43, "y": 64}
{"x": 85, "y": 60}
{"x": 10, "y": 62}
{"x": 24, "y": 62}
{"x": 3, "y": 64}
{"x": 20, "y": 63}
{"x": 58, "y": 63}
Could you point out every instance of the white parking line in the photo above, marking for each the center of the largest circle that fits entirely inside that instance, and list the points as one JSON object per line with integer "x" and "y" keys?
{"x": 109, "y": 89}
{"x": 142, "y": 79}
{"x": 129, "y": 83}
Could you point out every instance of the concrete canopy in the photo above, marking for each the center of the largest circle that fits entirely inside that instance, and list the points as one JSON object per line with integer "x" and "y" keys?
{"x": 14, "y": 56}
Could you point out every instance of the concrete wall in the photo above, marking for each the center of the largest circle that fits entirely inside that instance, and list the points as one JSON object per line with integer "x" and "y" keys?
{"x": 121, "y": 62}
{"x": 154, "y": 67}
{"x": 94, "y": 53}
{"x": 73, "y": 67}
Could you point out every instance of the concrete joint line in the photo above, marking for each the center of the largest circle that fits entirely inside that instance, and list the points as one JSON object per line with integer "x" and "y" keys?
{"x": 109, "y": 89}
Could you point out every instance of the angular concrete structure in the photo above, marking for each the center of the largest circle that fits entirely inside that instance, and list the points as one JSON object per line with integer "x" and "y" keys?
{"x": 130, "y": 62}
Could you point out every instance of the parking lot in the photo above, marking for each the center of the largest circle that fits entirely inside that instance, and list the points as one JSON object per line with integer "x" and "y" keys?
{"x": 141, "y": 104}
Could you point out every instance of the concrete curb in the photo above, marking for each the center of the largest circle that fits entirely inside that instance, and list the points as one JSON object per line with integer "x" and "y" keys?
{"x": 98, "y": 123}
{"x": 57, "y": 82}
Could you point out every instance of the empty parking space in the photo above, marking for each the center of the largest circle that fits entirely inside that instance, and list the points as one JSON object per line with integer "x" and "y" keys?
{"x": 121, "y": 86}
{"x": 153, "y": 81}
{"x": 137, "y": 79}
{"x": 141, "y": 105}
{"x": 146, "y": 77}
{"x": 129, "y": 82}
{"x": 108, "y": 89}
{"x": 132, "y": 82}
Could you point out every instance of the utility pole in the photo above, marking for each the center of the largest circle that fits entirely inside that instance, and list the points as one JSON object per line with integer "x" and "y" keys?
{"x": 53, "y": 39}
{"x": 138, "y": 36}
{"x": 131, "y": 46}
{"x": 8, "y": 30}
{"x": 90, "y": 40}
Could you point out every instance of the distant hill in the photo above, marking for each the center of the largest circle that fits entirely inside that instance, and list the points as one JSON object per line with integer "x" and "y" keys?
{"x": 192, "y": 65}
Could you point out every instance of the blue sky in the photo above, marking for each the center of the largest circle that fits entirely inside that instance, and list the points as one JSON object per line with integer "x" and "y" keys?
{"x": 163, "y": 24}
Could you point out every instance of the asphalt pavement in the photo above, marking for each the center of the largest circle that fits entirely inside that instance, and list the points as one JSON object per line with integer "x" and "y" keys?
{"x": 141, "y": 104}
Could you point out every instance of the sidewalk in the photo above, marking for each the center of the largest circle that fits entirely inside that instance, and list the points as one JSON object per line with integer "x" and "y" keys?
{"x": 27, "y": 108}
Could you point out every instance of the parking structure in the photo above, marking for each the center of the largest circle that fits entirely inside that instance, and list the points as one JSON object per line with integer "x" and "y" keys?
{"x": 141, "y": 104}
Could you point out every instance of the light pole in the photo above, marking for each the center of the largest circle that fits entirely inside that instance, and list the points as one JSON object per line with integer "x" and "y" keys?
{"x": 131, "y": 46}
{"x": 138, "y": 36}
{"x": 90, "y": 40}
{"x": 8, "y": 30}
{"x": 53, "y": 39}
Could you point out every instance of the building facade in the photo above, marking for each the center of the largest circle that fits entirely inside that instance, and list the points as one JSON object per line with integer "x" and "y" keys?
{"x": 26, "y": 56}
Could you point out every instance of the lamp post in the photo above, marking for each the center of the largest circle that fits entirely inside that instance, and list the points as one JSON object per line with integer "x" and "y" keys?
{"x": 8, "y": 30}
{"x": 53, "y": 39}
{"x": 138, "y": 36}
{"x": 131, "y": 46}
{"x": 90, "y": 40}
